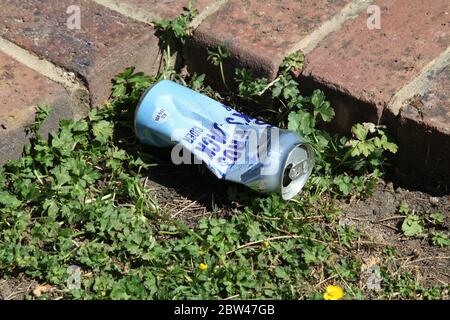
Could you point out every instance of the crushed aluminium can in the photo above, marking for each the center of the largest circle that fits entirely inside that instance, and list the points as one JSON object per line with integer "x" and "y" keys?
{"x": 232, "y": 145}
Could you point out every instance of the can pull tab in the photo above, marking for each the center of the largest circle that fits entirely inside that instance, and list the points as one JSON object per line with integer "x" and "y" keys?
{"x": 298, "y": 170}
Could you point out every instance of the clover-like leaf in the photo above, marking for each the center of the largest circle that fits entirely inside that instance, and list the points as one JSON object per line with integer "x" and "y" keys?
{"x": 412, "y": 226}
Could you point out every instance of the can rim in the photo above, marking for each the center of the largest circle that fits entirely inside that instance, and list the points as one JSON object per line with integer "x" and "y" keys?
{"x": 295, "y": 186}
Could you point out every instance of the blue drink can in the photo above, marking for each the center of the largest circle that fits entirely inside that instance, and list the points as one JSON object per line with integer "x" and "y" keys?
{"x": 232, "y": 145}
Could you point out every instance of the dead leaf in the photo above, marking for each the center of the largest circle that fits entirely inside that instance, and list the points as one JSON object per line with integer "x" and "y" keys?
{"x": 370, "y": 261}
{"x": 39, "y": 290}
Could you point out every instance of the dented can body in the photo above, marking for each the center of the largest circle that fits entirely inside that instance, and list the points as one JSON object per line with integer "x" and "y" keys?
{"x": 232, "y": 145}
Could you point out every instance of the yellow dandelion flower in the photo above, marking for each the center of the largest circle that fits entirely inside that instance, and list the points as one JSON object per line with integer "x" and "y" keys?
{"x": 266, "y": 244}
{"x": 333, "y": 293}
{"x": 203, "y": 266}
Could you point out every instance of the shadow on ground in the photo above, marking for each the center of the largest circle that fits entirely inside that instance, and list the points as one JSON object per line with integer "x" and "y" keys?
{"x": 191, "y": 192}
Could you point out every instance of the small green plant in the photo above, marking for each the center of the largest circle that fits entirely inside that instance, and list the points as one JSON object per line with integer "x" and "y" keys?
{"x": 440, "y": 239}
{"x": 412, "y": 226}
{"x": 437, "y": 218}
{"x": 314, "y": 111}
{"x": 404, "y": 286}
{"x": 197, "y": 82}
{"x": 367, "y": 145}
{"x": 249, "y": 87}
{"x": 174, "y": 33}
{"x": 404, "y": 208}
{"x": 347, "y": 235}
{"x": 42, "y": 112}
{"x": 293, "y": 61}
{"x": 130, "y": 84}
{"x": 217, "y": 58}
{"x": 178, "y": 28}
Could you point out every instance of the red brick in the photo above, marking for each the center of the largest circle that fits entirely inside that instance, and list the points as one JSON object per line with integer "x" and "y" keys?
{"x": 433, "y": 107}
{"x": 370, "y": 66}
{"x": 258, "y": 33}
{"x": 168, "y": 9}
{"x": 106, "y": 43}
{"x": 21, "y": 90}
{"x": 423, "y": 133}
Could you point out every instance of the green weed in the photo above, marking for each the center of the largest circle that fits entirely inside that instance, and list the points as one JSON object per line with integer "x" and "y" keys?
{"x": 217, "y": 58}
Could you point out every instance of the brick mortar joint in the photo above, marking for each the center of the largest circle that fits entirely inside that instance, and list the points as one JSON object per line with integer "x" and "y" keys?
{"x": 314, "y": 38}
{"x": 419, "y": 84}
{"x": 130, "y": 11}
{"x": 73, "y": 84}
{"x": 207, "y": 12}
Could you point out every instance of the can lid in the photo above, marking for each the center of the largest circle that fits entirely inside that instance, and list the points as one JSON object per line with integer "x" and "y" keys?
{"x": 296, "y": 170}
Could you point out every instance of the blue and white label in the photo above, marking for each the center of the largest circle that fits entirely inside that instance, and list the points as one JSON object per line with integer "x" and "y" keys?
{"x": 234, "y": 146}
